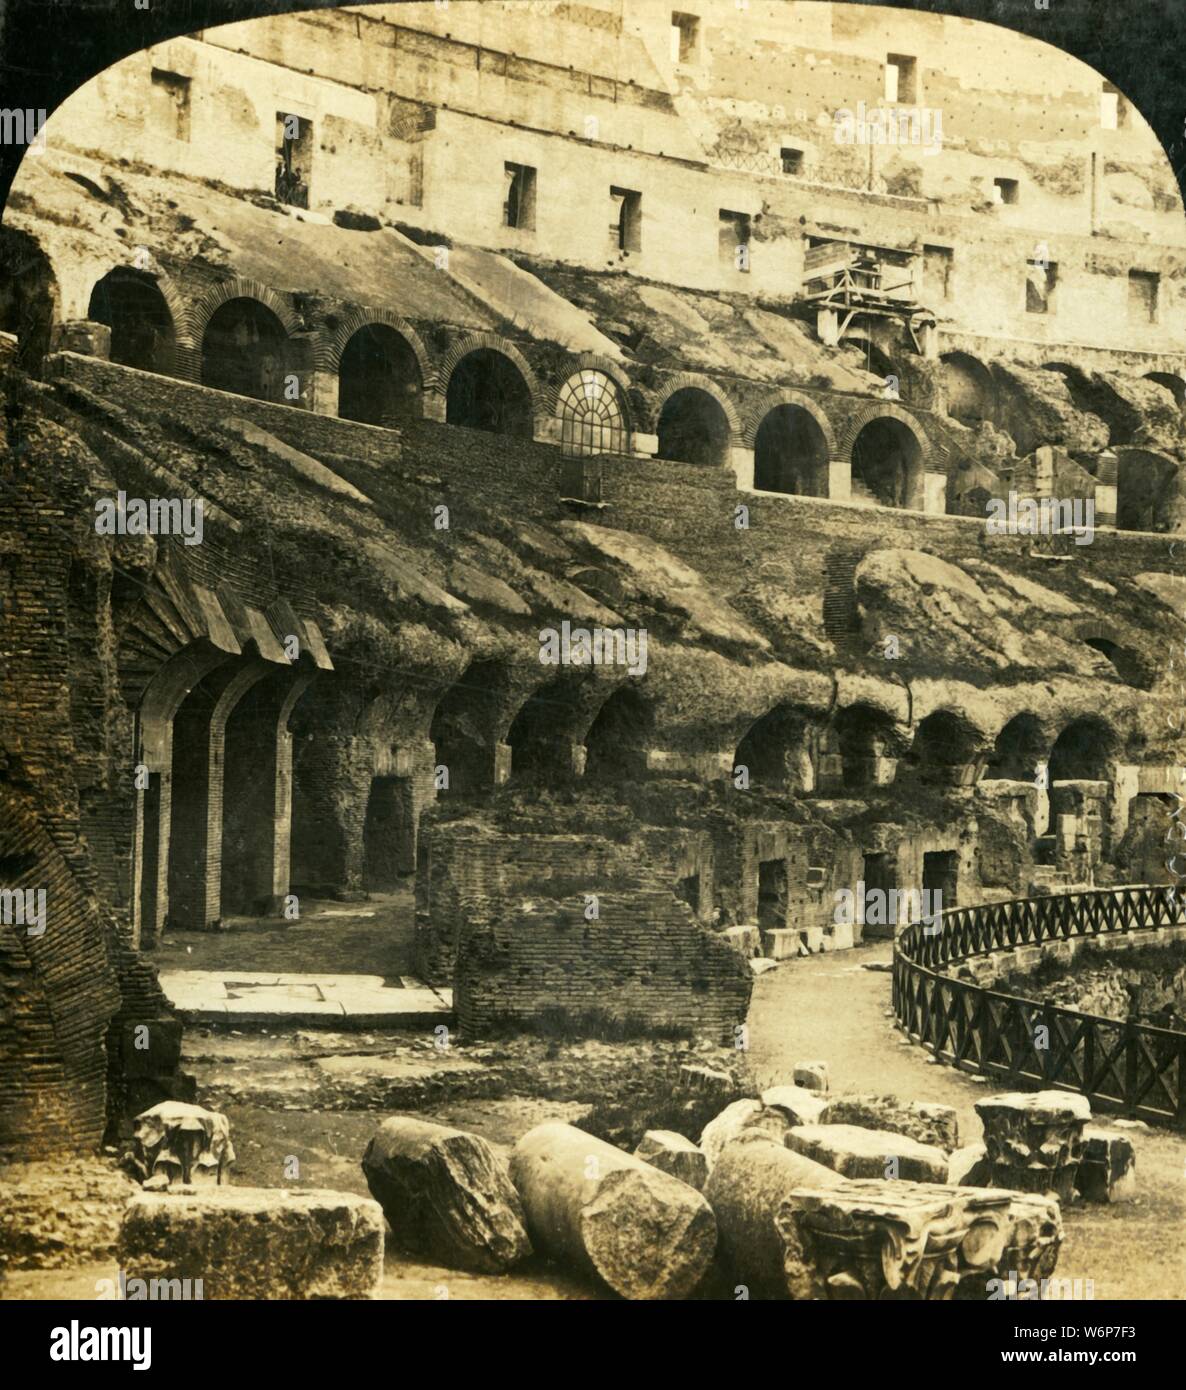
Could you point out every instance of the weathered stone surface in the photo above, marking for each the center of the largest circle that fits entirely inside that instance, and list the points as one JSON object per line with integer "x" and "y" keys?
{"x": 753, "y": 1176}
{"x": 802, "y": 1107}
{"x": 812, "y": 1076}
{"x": 969, "y": 1167}
{"x": 54, "y": 1216}
{"x": 672, "y": 1153}
{"x": 643, "y": 1232}
{"x": 1108, "y": 1169}
{"x": 707, "y": 1081}
{"x": 734, "y": 1119}
{"x": 921, "y": 1120}
{"x": 868, "y": 1153}
{"x": 256, "y": 1242}
{"x": 446, "y": 1195}
{"x": 913, "y": 1241}
{"x": 174, "y": 1143}
{"x": 1034, "y": 1139}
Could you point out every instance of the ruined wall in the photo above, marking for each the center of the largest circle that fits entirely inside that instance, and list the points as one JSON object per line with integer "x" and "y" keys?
{"x": 530, "y": 954}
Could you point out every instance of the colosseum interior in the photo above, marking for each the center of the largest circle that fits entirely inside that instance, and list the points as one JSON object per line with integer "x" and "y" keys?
{"x": 460, "y": 330}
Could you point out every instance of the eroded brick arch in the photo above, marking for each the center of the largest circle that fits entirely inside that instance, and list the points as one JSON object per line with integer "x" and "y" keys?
{"x": 494, "y": 342}
{"x": 328, "y": 353}
{"x": 761, "y": 406}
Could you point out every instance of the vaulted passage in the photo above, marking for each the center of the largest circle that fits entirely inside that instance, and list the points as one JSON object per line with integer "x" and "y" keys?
{"x": 463, "y": 728}
{"x": 790, "y": 453}
{"x": 1082, "y": 751}
{"x": 693, "y": 428}
{"x": 1149, "y": 492}
{"x": 887, "y": 465}
{"x": 378, "y": 378}
{"x": 944, "y": 748}
{"x": 541, "y": 735}
{"x": 616, "y": 743}
{"x": 864, "y": 735}
{"x": 132, "y": 306}
{"x": 388, "y": 833}
{"x": 775, "y": 752}
{"x": 244, "y": 350}
{"x": 1018, "y": 750}
{"x": 487, "y": 392}
{"x": 968, "y": 388}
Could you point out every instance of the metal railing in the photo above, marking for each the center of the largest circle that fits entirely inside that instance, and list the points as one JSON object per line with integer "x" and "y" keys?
{"x": 1119, "y": 1065}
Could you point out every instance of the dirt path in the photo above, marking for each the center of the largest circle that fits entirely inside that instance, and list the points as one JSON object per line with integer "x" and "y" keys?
{"x": 830, "y": 1008}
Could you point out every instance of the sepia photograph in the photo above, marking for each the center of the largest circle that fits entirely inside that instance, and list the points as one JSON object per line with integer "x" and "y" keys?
{"x": 592, "y": 665}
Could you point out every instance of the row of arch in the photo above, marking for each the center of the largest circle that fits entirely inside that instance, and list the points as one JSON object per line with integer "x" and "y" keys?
{"x": 242, "y": 337}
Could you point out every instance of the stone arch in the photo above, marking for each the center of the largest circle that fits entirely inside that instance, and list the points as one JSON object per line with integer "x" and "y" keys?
{"x": 1173, "y": 383}
{"x": 1149, "y": 490}
{"x": 1020, "y": 747}
{"x": 886, "y": 410}
{"x": 618, "y": 738}
{"x": 968, "y": 388}
{"x": 246, "y": 350}
{"x": 1083, "y": 750}
{"x": 380, "y": 376}
{"x": 327, "y": 356}
{"x": 240, "y": 288}
{"x": 761, "y": 407}
{"x": 776, "y": 751}
{"x": 791, "y": 452}
{"x": 888, "y": 454}
{"x": 683, "y": 381}
{"x": 455, "y": 354}
{"x": 142, "y": 321}
{"x": 945, "y": 749}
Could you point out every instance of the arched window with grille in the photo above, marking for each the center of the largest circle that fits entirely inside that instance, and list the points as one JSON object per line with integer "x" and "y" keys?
{"x": 591, "y": 416}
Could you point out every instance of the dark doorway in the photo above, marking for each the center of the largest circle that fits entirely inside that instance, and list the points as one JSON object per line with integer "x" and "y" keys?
{"x": 387, "y": 849}
{"x": 132, "y": 306}
{"x": 940, "y": 874}
{"x": 487, "y": 392}
{"x": 378, "y": 378}
{"x": 244, "y": 350}
{"x": 772, "y": 894}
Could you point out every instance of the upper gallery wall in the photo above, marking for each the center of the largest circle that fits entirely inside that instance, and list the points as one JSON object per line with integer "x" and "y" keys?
{"x": 623, "y": 134}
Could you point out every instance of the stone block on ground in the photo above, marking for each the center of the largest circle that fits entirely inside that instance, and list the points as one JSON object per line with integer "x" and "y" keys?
{"x": 812, "y": 1076}
{"x": 802, "y": 1107}
{"x": 913, "y": 1241}
{"x": 921, "y": 1120}
{"x": 607, "y": 1213}
{"x": 854, "y": 1152}
{"x": 745, "y": 1188}
{"x": 1108, "y": 1169}
{"x": 705, "y": 1081}
{"x": 734, "y": 1119}
{"x": 446, "y": 1195}
{"x": 1034, "y": 1139}
{"x": 746, "y": 939}
{"x": 782, "y": 943}
{"x": 672, "y": 1153}
{"x": 256, "y": 1242}
{"x": 969, "y": 1167}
